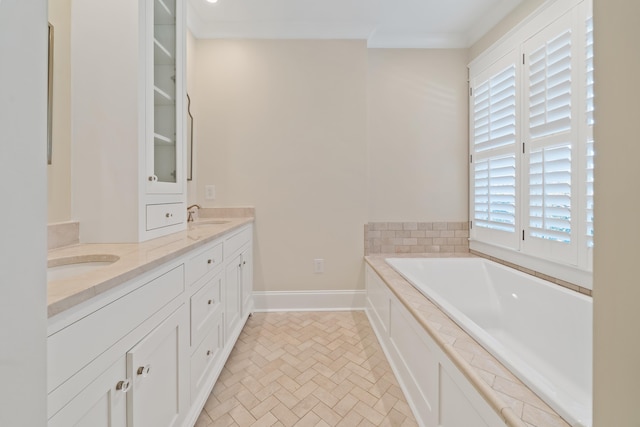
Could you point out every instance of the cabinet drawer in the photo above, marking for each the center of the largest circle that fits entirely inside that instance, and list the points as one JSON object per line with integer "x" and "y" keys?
{"x": 73, "y": 347}
{"x": 164, "y": 215}
{"x": 205, "y": 305}
{"x": 205, "y": 357}
{"x": 237, "y": 241}
{"x": 204, "y": 262}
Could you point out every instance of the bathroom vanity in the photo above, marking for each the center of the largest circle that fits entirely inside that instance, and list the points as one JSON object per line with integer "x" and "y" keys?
{"x": 141, "y": 341}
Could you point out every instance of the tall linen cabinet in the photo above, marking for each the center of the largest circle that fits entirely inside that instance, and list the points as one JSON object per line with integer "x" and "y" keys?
{"x": 128, "y": 119}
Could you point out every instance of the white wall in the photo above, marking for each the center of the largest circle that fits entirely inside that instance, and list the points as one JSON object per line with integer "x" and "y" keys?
{"x": 281, "y": 126}
{"x": 417, "y": 135}
{"x": 23, "y": 314}
{"x": 59, "y": 172}
{"x": 616, "y": 292}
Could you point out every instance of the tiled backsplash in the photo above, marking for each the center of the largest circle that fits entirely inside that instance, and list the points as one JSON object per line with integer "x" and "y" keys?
{"x": 243, "y": 212}
{"x": 416, "y": 237}
{"x": 63, "y": 234}
{"x": 435, "y": 237}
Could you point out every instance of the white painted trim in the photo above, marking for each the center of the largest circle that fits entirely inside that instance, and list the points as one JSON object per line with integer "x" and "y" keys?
{"x": 540, "y": 18}
{"x": 309, "y": 300}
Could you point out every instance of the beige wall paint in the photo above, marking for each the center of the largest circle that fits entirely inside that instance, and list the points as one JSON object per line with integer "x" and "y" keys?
{"x": 616, "y": 292}
{"x": 417, "y": 135}
{"x": 523, "y": 10}
{"x": 281, "y": 126}
{"x": 192, "y": 92}
{"x": 59, "y": 172}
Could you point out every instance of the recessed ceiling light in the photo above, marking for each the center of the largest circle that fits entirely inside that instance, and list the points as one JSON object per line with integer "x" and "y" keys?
{"x": 212, "y": 1}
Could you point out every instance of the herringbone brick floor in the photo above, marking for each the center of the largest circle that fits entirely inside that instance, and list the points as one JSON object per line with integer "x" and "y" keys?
{"x": 307, "y": 369}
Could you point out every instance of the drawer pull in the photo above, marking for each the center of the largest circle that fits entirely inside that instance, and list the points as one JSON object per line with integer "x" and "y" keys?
{"x": 144, "y": 370}
{"x": 169, "y": 215}
{"x": 123, "y": 386}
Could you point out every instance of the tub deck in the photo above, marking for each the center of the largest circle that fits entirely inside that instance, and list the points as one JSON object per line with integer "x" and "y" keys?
{"x": 505, "y": 393}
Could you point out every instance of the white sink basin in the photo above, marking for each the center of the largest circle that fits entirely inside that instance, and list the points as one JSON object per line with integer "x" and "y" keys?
{"x": 65, "y": 268}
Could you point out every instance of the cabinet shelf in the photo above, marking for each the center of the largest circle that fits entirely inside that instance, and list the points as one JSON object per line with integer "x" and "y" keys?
{"x": 162, "y": 13}
{"x": 160, "y": 97}
{"x": 162, "y": 140}
{"x": 161, "y": 54}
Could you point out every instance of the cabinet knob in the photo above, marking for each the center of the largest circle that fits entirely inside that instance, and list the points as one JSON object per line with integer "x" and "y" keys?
{"x": 123, "y": 385}
{"x": 244, "y": 262}
{"x": 144, "y": 370}
{"x": 210, "y": 302}
{"x": 209, "y": 261}
{"x": 208, "y": 352}
{"x": 168, "y": 215}
{"x": 153, "y": 178}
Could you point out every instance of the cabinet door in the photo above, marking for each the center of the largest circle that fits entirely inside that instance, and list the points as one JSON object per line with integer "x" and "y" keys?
{"x": 166, "y": 95}
{"x": 101, "y": 404}
{"x": 158, "y": 367}
{"x": 233, "y": 295}
{"x": 247, "y": 279}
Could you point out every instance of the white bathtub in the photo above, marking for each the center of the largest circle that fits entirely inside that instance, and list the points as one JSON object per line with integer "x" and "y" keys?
{"x": 538, "y": 330}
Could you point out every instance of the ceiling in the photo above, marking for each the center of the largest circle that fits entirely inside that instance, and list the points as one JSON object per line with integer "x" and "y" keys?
{"x": 383, "y": 23}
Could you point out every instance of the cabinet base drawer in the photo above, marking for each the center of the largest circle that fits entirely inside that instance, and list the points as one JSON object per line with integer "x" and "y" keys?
{"x": 205, "y": 357}
{"x": 202, "y": 263}
{"x": 237, "y": 241}
{"x": 164, "y": 215}
{"x": 205, "y": 306}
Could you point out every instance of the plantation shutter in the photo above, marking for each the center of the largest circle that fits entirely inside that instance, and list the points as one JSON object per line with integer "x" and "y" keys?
{"x": 493, "y": 152}
{"x": 549, "y": 110}
{"x": 589, "y": 142}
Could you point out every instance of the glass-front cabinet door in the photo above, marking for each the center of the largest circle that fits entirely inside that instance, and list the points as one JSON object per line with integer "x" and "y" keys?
{"x": 164, "y": 117}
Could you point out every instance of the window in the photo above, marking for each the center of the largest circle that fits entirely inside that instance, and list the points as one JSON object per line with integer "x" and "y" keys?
{"x": 531, "y": 142}
{"x": 494, "y": 151}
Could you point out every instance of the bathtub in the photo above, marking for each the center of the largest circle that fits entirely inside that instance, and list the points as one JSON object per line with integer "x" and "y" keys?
{"x": 540, "y": 331}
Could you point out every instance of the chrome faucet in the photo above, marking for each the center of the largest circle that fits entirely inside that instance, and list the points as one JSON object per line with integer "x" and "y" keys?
{"x": 190, "y": 212}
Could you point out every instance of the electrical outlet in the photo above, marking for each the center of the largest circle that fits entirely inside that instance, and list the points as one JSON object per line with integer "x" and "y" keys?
{"x": 318, "y": 266}
{"x": 210, "y": 192}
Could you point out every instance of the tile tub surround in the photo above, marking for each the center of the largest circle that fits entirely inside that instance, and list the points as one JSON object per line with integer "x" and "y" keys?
{"x": 63, "y": 234}
{"x": 551, "y": 279}
{"x": 505, "y": 393}
{"x": 134, "y": 259}
{"x": 416, "y": 237}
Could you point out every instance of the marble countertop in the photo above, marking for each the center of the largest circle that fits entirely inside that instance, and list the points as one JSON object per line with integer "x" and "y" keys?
{"x": 134, "y": 260}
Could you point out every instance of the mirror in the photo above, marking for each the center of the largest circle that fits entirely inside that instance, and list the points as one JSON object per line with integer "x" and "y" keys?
{"x": 49, "y": 92}
{"x": 189, "y": 140}
{"x": 59, "y": 110}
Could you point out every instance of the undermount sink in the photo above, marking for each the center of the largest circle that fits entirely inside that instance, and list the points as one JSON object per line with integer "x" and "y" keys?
{"x": 65, "y": 268}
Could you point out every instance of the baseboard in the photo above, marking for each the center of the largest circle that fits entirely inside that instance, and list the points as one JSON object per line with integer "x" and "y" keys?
{"x": 309, "y": 301}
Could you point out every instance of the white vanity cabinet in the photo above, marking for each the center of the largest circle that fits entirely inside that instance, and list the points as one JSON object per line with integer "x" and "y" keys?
{"x": 239, "y": 280}
{"x": 103, "y": 403}
{"x": 148, "y": 352}
{"x": 128, "y": 105}
{"x": 159, "y": 380}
